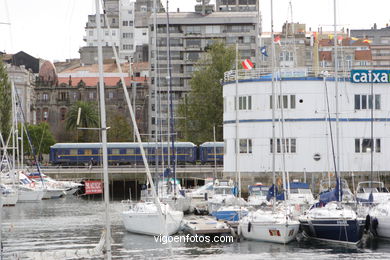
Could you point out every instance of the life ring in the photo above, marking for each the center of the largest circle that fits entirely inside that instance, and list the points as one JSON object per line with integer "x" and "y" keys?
{"x": 32, "y": 184}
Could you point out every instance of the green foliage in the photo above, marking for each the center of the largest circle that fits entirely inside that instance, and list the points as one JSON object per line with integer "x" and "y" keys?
{"x": 120, "y": 129}
{"x": 89, "y": 117}
{"x": 5, "y": 102}
{"x": 203, "y": 106}
{"x": 41, "y": 139}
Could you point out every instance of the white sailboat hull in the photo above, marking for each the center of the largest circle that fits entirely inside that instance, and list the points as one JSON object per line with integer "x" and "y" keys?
{"x": 9, "y": 199}
{"x": 380, "y": 220}
{"x": 53, "y": 194}
{"x": 383, "y": 229}
{"x": 30, "y": 195}
{"x": 151, "y": 224}
{"x": 270, "y": 232}
{"x": 71, "y": 191}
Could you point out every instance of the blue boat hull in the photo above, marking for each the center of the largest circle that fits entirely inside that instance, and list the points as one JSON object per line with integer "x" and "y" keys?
{"x": 338, "y": 230}
{"x": 231, "y": 215}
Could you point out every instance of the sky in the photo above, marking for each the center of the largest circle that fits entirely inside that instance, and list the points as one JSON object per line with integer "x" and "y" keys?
{"x": 54, "y": 29}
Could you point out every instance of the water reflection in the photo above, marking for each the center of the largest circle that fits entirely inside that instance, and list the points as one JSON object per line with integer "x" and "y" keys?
{"x": 73, "y": 223}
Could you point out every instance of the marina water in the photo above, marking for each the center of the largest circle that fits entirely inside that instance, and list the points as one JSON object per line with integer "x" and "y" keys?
{"x": 75, "y": 223}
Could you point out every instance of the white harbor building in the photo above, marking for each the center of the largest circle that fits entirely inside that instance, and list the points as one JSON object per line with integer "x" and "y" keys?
{"x": 307, "y": 124}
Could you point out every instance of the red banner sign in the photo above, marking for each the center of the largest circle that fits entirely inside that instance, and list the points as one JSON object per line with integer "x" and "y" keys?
{"x": 93, "y": 187}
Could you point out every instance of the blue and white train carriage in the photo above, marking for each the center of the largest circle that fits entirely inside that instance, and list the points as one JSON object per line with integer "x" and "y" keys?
{"x": 210, "y": 152}
{"x": 119, "y": 153}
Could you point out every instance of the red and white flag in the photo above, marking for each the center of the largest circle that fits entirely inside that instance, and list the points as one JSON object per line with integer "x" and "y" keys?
{"x": 247, "y": 64}
{"x": 277, "y": 39}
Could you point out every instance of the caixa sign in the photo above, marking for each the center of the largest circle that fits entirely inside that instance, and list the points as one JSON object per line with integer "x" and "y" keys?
{"x": 370, "y": 76}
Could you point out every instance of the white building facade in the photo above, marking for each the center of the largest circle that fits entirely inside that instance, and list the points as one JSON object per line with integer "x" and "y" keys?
{"x": 307, "y": 124}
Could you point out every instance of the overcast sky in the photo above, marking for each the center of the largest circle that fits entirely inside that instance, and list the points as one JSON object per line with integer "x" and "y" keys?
{"x": 54, "y": 29}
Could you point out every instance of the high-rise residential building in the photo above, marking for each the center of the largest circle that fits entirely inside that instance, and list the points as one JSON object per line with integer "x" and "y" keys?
{"x": 380, "y": 44}
{"x": 236, "y": 5}
{"x": 128, "y": 21}
{"x": 134, "y": 29}
{"x": 190, "y": 35}
{"x": 88, "y": 54}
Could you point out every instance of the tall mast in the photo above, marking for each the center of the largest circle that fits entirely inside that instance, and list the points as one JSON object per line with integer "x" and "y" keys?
{"x": 238, "y": 173}
{"x": 103, "y": 132}
{"x": 372, "y": 132}
{"x": 336, "y": 68}
{"x": 170, "y": 107}
{"x": 273, "y": 101}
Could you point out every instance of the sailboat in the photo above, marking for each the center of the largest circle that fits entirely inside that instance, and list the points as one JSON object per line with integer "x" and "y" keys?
{"x": 229, "y": 205}
{"x": 277, "y": 225}
{"x": 148, "y": 218}
{"x": 330, "y": 219}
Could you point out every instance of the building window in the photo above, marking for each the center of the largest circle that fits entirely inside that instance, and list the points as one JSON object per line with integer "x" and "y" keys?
{"x": 285, "y": 101}
{"x": 127, "y": 35}
{"x": 90, "y": 32}
{"x": 245, "y": 145}
{"x": 38, "y": 115}
{"x": 130, "y": 23}
{"x": 110, "y": 95}
{"x": 45, "y": 97}
{"x": 127, "y": 47}
{"x": 286, "y": 56}
{"x": 245, "y": 103}
{"x": 91, "y": 95}
{"x": 365, "y": 102}
{"x": 63, "y": 96}
{"x": 125, "y": 23}
{"x": 286, "y": 145}
{"x": 45, "y": 114}
{"x": 63, "y": 114}
{"x": 364, "y": 145}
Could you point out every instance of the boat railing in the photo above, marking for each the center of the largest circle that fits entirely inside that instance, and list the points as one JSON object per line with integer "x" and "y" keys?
{"x": 285, "y": 72}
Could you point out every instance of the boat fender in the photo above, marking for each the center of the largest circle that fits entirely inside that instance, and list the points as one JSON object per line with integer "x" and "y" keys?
{"x": 206, "y": 196}
{"x": 249, "y": 227}
{"x": 367, "y": 223}
{"x": 374, "y": 226}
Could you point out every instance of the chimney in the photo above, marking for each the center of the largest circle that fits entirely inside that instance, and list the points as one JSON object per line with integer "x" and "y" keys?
{"x": 178, "y": 10}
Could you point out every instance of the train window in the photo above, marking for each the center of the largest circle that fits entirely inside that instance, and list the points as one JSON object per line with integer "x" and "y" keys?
{"x": 115, "y": 151}
{"x": 73, "y": 151}
{"x": 130, "y": 151}
{"x": 87, "y": 151}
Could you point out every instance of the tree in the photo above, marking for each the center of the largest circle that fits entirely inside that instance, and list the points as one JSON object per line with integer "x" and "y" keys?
{"x": 120, "y": 129}
{"x": 203, "y": 107}
{"x": 41, "y": 139}
{"x": 5, "y": 102}
{"x": 89, "y": 118}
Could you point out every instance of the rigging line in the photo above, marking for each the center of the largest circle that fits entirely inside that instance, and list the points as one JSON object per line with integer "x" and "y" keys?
{"x": 29, "y": 137}
{"x": 330, "y": 125}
